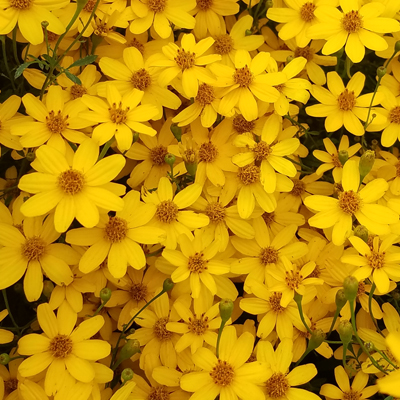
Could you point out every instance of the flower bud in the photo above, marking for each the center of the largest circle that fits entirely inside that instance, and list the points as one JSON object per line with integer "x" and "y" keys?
{"x": 248, "y": 32}
{"x": 129, "y": 349}
{"x": 135, "y": 137}
{"x": 105, "y": 294}
{"x": 362, "y": 232}
{"x": 340, "y": 299}
{"x": 316, "y": 339}
{"x": 397, "y": 46}
{"x": 350, "y": 287}
{"x": 48, "y": 287}
{"x": 30, "y": 156}
{"x": 126, "y": 375}
{"x": 343, "y": 156}
{"x": 366, "y": 162}
{"x": 176, "y": 131}
{"x": 381, "y": 71}
{"x": 169, "y": 159}
{"x": 289, "y": 58}
{"x": 269, "y": 4}
{"x": 168, "y": 285}
{"x": 225, "y": 309}
{"x": 191, "y": 168}
{"x": 345, "y": 330}
{"x": 4, "y": 359}
{"x": 45, "y": 24}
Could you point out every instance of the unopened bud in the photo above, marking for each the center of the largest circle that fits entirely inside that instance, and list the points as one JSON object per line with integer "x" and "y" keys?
{"x": 126, "y": 375}
{"x": 269, "y": 4}
{"x": 30, "y": 156}
{"x": 4, "y": 359}
{"x": 191, "y": 168}
{"x": 340, "y": 299}
{"x": 397, "y": 46}
{"x": 362, "y": 232}
{"x": 345, "y": 330}
{"x": 350, "y": 287}
{"x": 169, "y": 159}
{"x": 225, "y": 309}
{"x": 248, "y": 32}
{"x": 316, "y": 339}
{"x": 369, "y": 346}
{"x": 289, "y": 58}
{"x": 366, "y": 163}
{"x": 176, "y": 131}
{"x": 381, "y": 71}
{"x": 48, "y": 287}
{"x": 135, "y": 137}
{"x": 343, "y": 156}
{"x": 105, "y": 294}
{"x": 168, "y": 285}
{"x": 129, "y": 349}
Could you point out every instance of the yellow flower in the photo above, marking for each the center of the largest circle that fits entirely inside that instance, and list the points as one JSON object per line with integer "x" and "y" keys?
{"x": 344, "y": 105}
{"x": 10, "y": 377}
{"x": 73, "y": 191}
{"x": 160, "y": 14}
{"x": 61, "y": 350}
{"x": 119, "y": 116}
{"x": 103, "y": 27}
{"x": 31, "y": 252}
{"x": 355, "y": 27}
{"x": 118, "y": 238}
{"x": 357, "y": 390}
{"x": 390, "y": 172}
{"x": 8, "y": 117}
{"x": 230, "y": 374}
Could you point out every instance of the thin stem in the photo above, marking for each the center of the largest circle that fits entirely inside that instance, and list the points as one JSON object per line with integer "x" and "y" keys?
{"x": 10, "y": 77}
{"x": 221, "y": 328}
{"x": 335, "y": 317}
{"x": 155, "y": 253}
{"x": 105, "y": 148}
{"x": 9, "y": 311}
{"x": 366, "y": 124}
{"x": 297, "y": 298}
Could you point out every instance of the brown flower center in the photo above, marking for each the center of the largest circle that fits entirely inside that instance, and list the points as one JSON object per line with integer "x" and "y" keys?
{"x": 222, "y": 374}
{"x": 71, "y": 181}
{"x": 21, "y": 4}
{"x": 316, "y": 273}
{"x": 185, "y": 59}
{"x": 243, "y": 76}
{"x": 205, "y": 95}
{"x": 77, "y": 91}
{"x": 10, "y": 385}
{"x": 135, "y": 43}
{"x": 60, "y": 346}
{"x": 223, "y": 44}
{"x": 167, "y": 211}
{"x": 261, "y": 151}
{"x": 351, "y": 395}
{"x": 275, "y": 302}
{"x": 299, "y": 188}
{"x": 376, "y": 260}
{"x": 89, "y": 7}
{"x": 352, "y": 21}
{"x": 197, "y": 263}
{"x": 277, "y": 385}
{"x": 138, "y": 291}
{"x": 160, "y": 330}
{"x": 198, "y": 326}
{"x": 158, "y": 393}
{"x": 118, "y": 114}
{"x": 307, "y": 12}
{"x": 293, "y": 279}
{"x": 216, "y": 212}
{"x": 336, "y": 162}
{"x": 249, "y": 174}
{"x": 268, "y": 218}
{"x": 52, "y": 36}
{"x": 157, "y": 155}
{"x": 56, "y": 122}
{"x": 208, "y": 152}
{"x": 156, "y": 5}
{"x": 268, "y": 255}
{"x": 394, "y": 115}
{"x": 33, "y": 248}
{"x": 349, "y": 202}
{"x": 306, "y": 52}
{"x": 115, "y": 230}
{"x": 346, "y": 100}
{"x": 141, "y": 79}
{"x": 204, "y": 5}
{"x": 361, "y": 288}
{"x": 240, "y": 125}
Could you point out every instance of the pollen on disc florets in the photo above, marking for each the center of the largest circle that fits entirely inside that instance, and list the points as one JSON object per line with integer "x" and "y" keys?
{"x": 346, "y": 100}
{"x": 241, "y": 125}
{"x": 56, "y": 123}
{"x": 208, "y": 152}
{"x": 21, "y": 4}
{"x": 157, "y": 155}
{"x": 118, "y": 114}
{"x": 157, "y": 5}
{"x": 349, "y": 202}
{"x": 223, "y": 44}
{"x": 158, "y": 393}
{"x": 138, "y": 291}
{"x": 293, "y": 279}
{"x": 205, "y": 95}
{"x": 268, "y": 255}
{"x": 277, "y": 385}
{"x": 33, "y": 248}
{"x": 71, "y": 181}
{"x": 394, "y": 115}
{"x": 197, "y": 263}
{"x": 299, "y": 188}
{"x": 204, "y": 5}
{"x": 167, "y": 211}
{"x": 60, "y": 346}
{"x": 306, "y": 52}
{"x": 222, "y": 373}
{"x": 115, "y": 230}
{"x": 262, "y": 150}
{"x": 198, "y": 326}
{"x": 275, "y": 302}
{"x": 249, "y": 174}
{"x": 376, "y": 260}
{"x": 77, "y": 91}
{"x": 243, "y": 76}
{"x": 216, "y": 212}
{"x": 185, "y": 59}
{"x": 141, "y": 79}
{"x": 307, "y": 12}
{"x": 160, "y": 330}
{"x": 352, "y": 21}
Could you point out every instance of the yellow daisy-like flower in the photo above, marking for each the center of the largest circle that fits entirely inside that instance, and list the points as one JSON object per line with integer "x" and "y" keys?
{"x": 10, "y": 376}
{"x": 171, "y": 215}
{"x": 228, "y": 375}
{"x": 61, "y": 349}
{"x": 352, "y": 202}
{"x": 344, "y": 105}
{"x": 160, "y": 14}
{"x": 8, "y": 117}
{"x": 355, "y": 27}
{"x": 76, "y": 190}
{"x": 390, "y": 384}
{"x": 120, "y": 116}
{"x": 357, "y": 390}
{"x": 280, "y": 382}
{"x": 118, "y": 238}
{"x": 380, "y": 262}
{"x": 32, "y": 253}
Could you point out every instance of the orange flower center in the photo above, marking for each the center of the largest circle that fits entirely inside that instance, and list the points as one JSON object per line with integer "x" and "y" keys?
{"x": 346, "y": 100}
{"x": 198, "y": 326}
{"x": 141, "y": 79}
{"x": 293, "y": 279}
{"x": 361, "y": 288}
{"x": 394, "y": 115}
{"x": 261, "y": 151}
{"x": 307, "y": 11}
{"x": 306, "y": 52}
{"x": 277, "y": 385}
{"x": 56, "y": 122}
{"x": 160, "y": 330}
{"x": 249, "y": 174}
{"x": 158, "y": 393}
{"x": 60, "y": 346}
{"x": 240, "y": 125}
{"x": 299, "y": 188}
{"x": 89, "y": 7}
{"x": 21, "y": 4}
{"x": 138, "y": 291}
{"x": 222, "y": 374}
{"x": 275, "y": 302}
{"x": 157, "y": 155}
{"x": 115, "y": 230}
{"x": 197, "y": 263}
{"x": 351, "y": 395}
{"x": 349, "y": 202}
{"x": 268, "y": 255}
{"x": 216, "y": 212}
{"x": 33, "y": 248}
{"x": 71, "y": 181}
{"x": 243, "y": 76}
{"x": 223, "y": 44}
{"x": 77, "y": 91}
{"x": 157, "y": 5}
{"x": 117, "y": 114}
{"x": 185, "y": 59}
{"x": 208, "y": 152}
{"x": 167, "y": 211}
{"x": 204, "y": 5}
{"x": 376, "y": 260}
{"x": 205, "y": 95}
{"x": 352, "y": 21}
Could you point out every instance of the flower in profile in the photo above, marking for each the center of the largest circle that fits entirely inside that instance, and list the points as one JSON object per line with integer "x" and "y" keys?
{"x": 73, "y": 191}
{"x": 352, "y": 201}
{"x": 117, "y": 238}
{"x": 61, "y": 349}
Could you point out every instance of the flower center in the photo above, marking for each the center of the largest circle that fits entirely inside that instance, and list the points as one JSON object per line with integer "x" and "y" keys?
{"x": 208, "y": 152}
{"x": 268, "y": 218}
{"x": 394, "y": 115}
{"x": 351, "y": 395}
{"x": 376, "y": 260}
{"x": 160, "y": 330}
{"x": 135, "y": 43}
{"x": 243, "y": 76}
{"x": 280, "y": 87}
{"x": 275, "y": 302}
{"x": 115, "y": 230}
{"x": 198, "y": 326}
{"x": 60, "y": 346}
{"x": 89, "y": 7}
{"x": 10, "y": 385}
{"x": 268, "y": 255}
{"x": 158, "y": 393}
{"x": 346, "y": 100}
{"x": 336, "y": 162}
{"x": 349, "y": 202}
{"x": 157, "y": 155}
{"x": 52, "y": 36}
{"x": 316, "y": 273}
{"x": 21, "y": 4}
{"x": 138, "y": 291}
{"x": 249, "y": 174}
{"x": 77, "y": 91}
{"x": 71, "y": 181}
{"x": 205, "y": 95}
{"x": 277, "y": 385}
{"x": 167, "y": 211}
{"x": 293, "y": 279}
{"x": 352, "y": 21}
{"x": 156, "y": 5}
{"x": 261, "y": 151}
{"x": 185, "y": 59}
{"x": 100, "y": 29}
{"x": 223, "y": 44}
{"x": 33, "y": 248}
{"x": 204, "y": 4}
{"x": 56, "y": 122}
{"x": 141, "y": 79}
{"x": 307, "y": 12}
{"x": 240, "y": 125}
{"x": 222, "y": 374}
{"x": 361, "y": 288}
{"x": 306, "y": 52}
{"x": 197, "y": 263}
{"x": 118, "y": 115}
{"x": 299, "y": 188}
{"x": 216, "y": 212}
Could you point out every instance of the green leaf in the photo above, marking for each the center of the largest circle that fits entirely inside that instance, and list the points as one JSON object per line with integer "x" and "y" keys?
{"x": 73, "y": 78}
{"x": 83, "y": 61}
{"x": 22, "y": 68}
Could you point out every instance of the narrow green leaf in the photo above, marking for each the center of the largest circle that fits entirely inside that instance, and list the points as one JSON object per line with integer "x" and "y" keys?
{"x": 83, "y": 61}
{"x": 73, "y": 78}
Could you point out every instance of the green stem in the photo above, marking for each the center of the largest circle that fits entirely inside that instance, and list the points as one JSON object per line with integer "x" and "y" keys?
{"x": 155, "y": 253}
{"x": 297, "y": 298}
{"x": 386, "y": 358}
{"x": 221, "y": 328}
{"x": 105, "y": 148}
{"x": 335, "y": 317}
{"x": 10, "y": 77}
{"x": 9, "y": 311}
{"x": 366, "y": 124}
